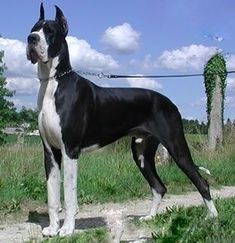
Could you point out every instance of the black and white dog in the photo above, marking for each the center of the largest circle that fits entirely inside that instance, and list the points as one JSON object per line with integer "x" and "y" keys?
{"x": 77, "y": 115}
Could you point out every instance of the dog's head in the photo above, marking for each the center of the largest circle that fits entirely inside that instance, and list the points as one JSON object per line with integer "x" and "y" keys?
{"x": 46, "y": 37}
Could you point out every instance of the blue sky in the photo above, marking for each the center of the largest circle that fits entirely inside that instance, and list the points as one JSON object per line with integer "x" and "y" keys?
{"x": 129, "y": 37}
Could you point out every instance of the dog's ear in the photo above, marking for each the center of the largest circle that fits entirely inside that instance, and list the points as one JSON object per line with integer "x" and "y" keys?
{"x": 42, "y": 15}
{"x": 61, "y": 20}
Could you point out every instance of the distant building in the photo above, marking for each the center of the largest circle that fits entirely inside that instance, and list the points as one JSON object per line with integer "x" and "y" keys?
{"x": 13, "y": 130}
{"x": 20, "y": 130}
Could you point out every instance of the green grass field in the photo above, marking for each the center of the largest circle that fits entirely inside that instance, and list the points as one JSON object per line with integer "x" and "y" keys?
{"x": 110, "y": 174}
{"x": 106, "y": 175}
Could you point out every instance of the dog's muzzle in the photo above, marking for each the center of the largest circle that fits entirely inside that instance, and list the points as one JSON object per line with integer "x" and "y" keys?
{"x": 32, "y": 54}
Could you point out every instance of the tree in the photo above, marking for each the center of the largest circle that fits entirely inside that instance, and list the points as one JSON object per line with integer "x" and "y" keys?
{"x": 215, "y": 74}
{"x": 29, "y": 117}
{"x": 194, "y": 126}
{"x": 7, "y": 109}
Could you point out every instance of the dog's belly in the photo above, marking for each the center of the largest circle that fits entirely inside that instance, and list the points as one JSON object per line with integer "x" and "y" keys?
{"x": 49, "y": 121}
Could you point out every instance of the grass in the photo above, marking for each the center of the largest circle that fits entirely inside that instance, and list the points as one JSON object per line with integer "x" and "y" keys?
{"x": 189, "y": 225}
{"x": 90, "y": 236}
{"x": 111, "y": 175}
{"x": 107, "y": 175}
{"x": 21, "y": 176}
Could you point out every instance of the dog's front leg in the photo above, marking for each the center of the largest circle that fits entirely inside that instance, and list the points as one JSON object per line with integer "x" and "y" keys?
{"x": 52, "y": 167}
{"x": 70, "y": 195}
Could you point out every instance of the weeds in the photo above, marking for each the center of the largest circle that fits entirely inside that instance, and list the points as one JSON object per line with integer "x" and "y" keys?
{"x": 33, "y": 187}
{"x": 91, "y": 236}
{"x": 10, "y": 207}
{"x": 189, "y": 225}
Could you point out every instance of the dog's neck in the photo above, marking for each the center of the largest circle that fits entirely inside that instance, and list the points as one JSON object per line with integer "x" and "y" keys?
{"x": 47, "y": 70}
{"x": 55, "y": 67}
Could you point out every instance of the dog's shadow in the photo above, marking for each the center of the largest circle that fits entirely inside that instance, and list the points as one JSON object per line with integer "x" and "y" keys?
{"x": 42, "y": 219}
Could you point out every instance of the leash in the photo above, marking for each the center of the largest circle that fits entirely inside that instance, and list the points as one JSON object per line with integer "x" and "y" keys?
{"x": 116, "y": 76}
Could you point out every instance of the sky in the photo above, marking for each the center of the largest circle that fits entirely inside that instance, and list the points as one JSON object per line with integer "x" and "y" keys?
{"x": 141, "y": 37}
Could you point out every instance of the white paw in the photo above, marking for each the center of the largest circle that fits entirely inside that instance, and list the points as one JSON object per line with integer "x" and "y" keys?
{"x": 146, "y": 218}
{"x": 211, "y": 215}
{"x": 66, "y": 230}
{"x": 50, "y": 231}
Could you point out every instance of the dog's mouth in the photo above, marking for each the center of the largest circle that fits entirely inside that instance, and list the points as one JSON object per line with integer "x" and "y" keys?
{"x": 32, "y": 55}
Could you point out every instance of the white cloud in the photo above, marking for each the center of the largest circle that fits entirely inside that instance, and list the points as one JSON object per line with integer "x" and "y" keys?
{"x": 84, "y": 57}
{"x": 122, "y": 38}
{"x": 23, "y": 86}
{"x": 215, "y": 37}
{"x": 21, "y": 74}
{"x": 190, "y": 118}
{"x": 201, "y": 102}
{"x": 230, "y": 93}
{"x": 146, "y": 64}
{"x": 146, "y": 83}
{"x": 15, "y": 58}
{"x": 231, "y": 84}
{"x": 192, "y": 57}
{"x": 230, "y": 101}
{"x": 230, "y": 62}
{"x": 19, "y": 103}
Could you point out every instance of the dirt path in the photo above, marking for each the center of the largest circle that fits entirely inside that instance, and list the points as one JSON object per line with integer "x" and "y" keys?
{"x": 92, "y": 216}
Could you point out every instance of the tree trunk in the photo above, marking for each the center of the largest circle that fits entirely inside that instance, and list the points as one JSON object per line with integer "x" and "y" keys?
{"x": 215, "y": 130}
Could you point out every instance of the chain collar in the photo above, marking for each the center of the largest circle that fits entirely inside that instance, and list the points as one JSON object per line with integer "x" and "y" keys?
{"x": 56, "y": 76}
{"x": 63, "y": 74}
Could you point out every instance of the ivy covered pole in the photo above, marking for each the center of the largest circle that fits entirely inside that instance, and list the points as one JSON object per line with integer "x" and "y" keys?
{"x": 215, "y": 74}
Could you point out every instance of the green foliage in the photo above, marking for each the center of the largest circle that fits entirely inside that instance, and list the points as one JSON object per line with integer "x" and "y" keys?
{"x": 109, "y": 176}
{"x": 10, "y": 206}
{"x": 33, "y": 187}
{"x": 194, "y": 127}
{"x": 215, "y": 66}
{"x": 7, "y": 109}
{"x": 189, "y": 225}
{"x": 90, "y": 236}
{"x": 28, "y": 116}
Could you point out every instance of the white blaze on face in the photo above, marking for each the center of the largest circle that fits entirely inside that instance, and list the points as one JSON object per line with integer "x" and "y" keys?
{"x": 42, "y": 46}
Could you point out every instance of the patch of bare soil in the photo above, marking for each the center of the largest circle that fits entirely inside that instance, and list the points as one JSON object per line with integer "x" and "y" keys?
{"x": 35, "y": 217}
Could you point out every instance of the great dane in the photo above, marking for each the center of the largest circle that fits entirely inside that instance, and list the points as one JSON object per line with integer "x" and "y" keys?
{"x": 77, "y": 115}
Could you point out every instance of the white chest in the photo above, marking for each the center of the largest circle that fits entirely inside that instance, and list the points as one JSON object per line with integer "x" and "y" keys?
{"x": 49, "y": 120}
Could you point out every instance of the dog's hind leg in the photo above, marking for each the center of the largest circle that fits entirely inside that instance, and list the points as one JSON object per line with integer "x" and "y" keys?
{"x": 143, "y": 151}
{"x": 70, "y": 194}
{"x": 172, "y": 137}
{"x": 52, "y": 159}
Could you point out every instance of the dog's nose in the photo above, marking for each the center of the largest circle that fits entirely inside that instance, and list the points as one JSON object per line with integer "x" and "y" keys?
{"x": 33, "y": 39}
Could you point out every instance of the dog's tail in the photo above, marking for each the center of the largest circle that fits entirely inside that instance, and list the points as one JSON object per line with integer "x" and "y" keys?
{"x": 204, "y": 169}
